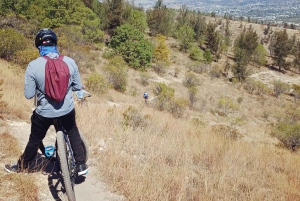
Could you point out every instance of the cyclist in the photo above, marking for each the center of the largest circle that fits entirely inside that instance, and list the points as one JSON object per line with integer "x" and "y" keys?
{"x": 47, "y": 108}
{"x": 145, "y": 97}
{"x": 80, "y": 94}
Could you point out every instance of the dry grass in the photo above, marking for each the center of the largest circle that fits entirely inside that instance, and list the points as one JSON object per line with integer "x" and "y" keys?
{"x": 175, "y": 159}
{"x": 15, "y": 186}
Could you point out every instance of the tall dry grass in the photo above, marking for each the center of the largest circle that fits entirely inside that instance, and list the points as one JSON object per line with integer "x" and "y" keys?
{"x": 15, "y": 186}
{"x": 173, "y": 159}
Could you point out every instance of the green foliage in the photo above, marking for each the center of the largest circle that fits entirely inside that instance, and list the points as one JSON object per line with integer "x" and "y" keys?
{"x": 208, "y": 58}
{"x": 214, "y": 40}
{"x": 280, "y": 87}
{"x": 185, "y": 35}
{"x": 134, "y": 48}
{"x": 165, "y": 96}
{"x": 11, "y": 41}
{"x": 288, "y": 134}
{"x": 97, "y": 83}
{"x": 138, "y": 20}
{"x": 117, "y": 73}
{"x": 161, "y": 50}
{"x": 227, "y": 105}
{"x": 260, "y": 55}
{"x": 160, "y": 19}
{"x": 23, "y": 57}
{"x": 109, "y": 53}
{"x": 244, "y": 47}
{"x": 196, "y": 54}
{"x": 113, "y": 14}
{"x": 280, "y": 46}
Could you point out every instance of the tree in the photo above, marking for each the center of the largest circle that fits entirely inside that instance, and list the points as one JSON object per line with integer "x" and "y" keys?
{"x": 260, "y": 55}
{"x": 185, "y": 35}
{"x": 138, "y": 20}
{"x": 160, "y": 19}
{"x": 161, "y": 50}
{"x": 280, "y": 47}
{"x": 113, "y": 14}
{"x": 134, "y": 48}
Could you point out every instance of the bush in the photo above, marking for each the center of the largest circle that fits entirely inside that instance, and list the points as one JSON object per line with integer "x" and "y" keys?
{"x": 288, "y": 134}
{"x": 97, "y": 83}
{"x": 178, "y": 107}
{"x": 132, "y": 117}
{"x": 227, "y": 106}
{"x": 160, "y": 67}
{"x": 190, "y": 80}
{"x": 198, "y": 67}
{"x": 23, "y": 57}
{"x": 164, "y": 97}
{"x": 134, "y": 48}
{"x": 196, "y": 54}
{"x": 11, "y": 41}
{"x": 280, "y": 87}
{"x": 215, "y": 72}
{"x": 161, "y": 50}
{"x": 117, "y": 73}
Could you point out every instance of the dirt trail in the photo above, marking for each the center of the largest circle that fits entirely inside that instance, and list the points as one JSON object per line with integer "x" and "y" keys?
{"x": 87, "y": 188}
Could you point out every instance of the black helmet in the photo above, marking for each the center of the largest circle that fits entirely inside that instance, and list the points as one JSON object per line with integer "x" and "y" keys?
{"x": 45, "y": 36}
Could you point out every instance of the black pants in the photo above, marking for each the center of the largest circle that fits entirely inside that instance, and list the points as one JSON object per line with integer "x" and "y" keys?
{"x": 39, "y": 128}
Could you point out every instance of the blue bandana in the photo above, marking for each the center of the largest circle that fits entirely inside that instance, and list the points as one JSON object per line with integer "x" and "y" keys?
{"x": 44, "y": 50}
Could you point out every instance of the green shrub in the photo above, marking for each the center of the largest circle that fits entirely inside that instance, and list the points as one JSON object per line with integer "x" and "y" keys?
{"x": 227, "y": 106}
{"x": 97, "y": 83}
{"x": 11, "y": 41}
{"x": 288, "y": 134}
{"x": 161, "y": 50}
{"x": 23, "y": 57}
{"x": 196, "y": 54}
{"x": 164, "y": 97}
{"x": 109, "y": 54}
{"x": 117, "y": 73}
{"x": 134, "y": 48}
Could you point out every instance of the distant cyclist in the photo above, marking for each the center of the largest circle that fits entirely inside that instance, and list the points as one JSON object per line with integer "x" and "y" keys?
{"x": 146, "y": 96}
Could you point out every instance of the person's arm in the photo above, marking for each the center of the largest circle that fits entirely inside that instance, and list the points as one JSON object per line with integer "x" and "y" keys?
{"x": 29, "y": 84}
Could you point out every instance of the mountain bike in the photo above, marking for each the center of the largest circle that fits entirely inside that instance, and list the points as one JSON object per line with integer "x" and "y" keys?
{"x": 64, "y": 158}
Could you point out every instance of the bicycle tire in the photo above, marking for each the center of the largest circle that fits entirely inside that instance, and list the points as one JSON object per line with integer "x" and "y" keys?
{"x": 65, "y": 166}
{"x": 85, "y": 146}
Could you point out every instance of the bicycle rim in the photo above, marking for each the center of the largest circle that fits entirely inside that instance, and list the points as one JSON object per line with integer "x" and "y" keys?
{"x": 65, "y": 166}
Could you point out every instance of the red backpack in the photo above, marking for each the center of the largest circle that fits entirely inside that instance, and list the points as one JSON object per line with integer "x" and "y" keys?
{"x": 57, "y": 77}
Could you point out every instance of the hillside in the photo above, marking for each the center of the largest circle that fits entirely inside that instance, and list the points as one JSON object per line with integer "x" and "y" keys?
{"x": 211, "y": 152}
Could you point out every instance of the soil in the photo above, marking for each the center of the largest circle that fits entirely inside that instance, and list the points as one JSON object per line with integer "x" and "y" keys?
{"x": 87, "y": 188}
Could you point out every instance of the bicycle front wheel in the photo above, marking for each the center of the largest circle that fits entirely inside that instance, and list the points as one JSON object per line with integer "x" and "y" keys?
{"x": 65, "y": 165}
